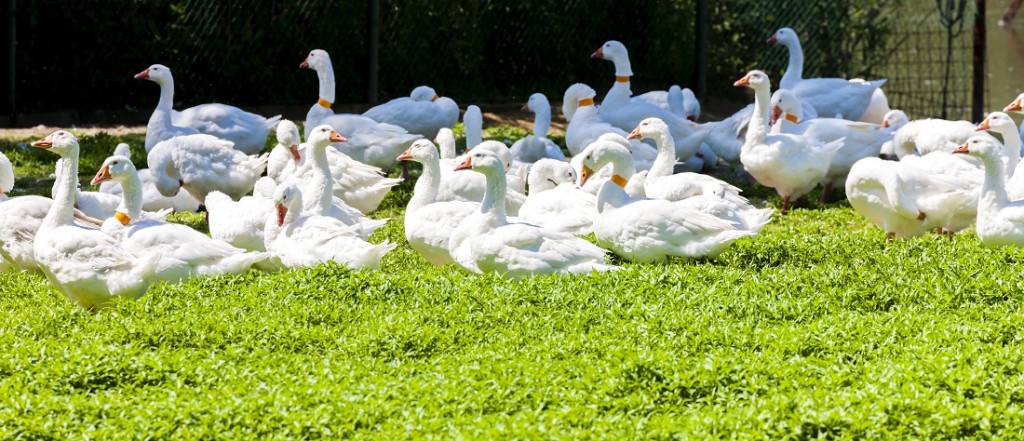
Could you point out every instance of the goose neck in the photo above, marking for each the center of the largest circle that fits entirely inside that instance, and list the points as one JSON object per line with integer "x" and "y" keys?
{"x": 325, "y": 75}
{"x": 131, "y": 197}
{"x": 664, "y": 163}
{"x": 493, "y": 204}
{"x": 795, "y": 69}
{"x": 542, "y": 122}
{"x": 65, "y": 190}
{"x": 425, "y": 191}
{"x": 321, "y": 184}
{"x": 993, "y": 191}
{"x": 757, "y": 131}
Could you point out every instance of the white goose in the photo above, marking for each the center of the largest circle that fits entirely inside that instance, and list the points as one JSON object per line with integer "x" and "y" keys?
{"x": 201, "y": 164}
{"x": 586, "y": 124}
{"x": 680, "y": 101}
{"x": 1002, "y": 124}
{"x": 891, "y": 122}
{"x": 625, "y": 113}
{"x": 248, "y": 131}
{"x": 359, "y": 185}
{"x": 152, "y": 200}
{"x": 828, "y": 96}
{"x": 428, "y": 222}
{"x": 184, "y": 252}
{"x": 473, "y": 123}
{"x": 923, "y": 136}
{"x": 487, "y": 242}
{"x": 555, "y": 202}
{"x": 535, "y": 146}
{"x": 6, "y": 177}
{"x": 1000, "y": 221}
{"x": 241, "y": 223}
{"x": 792, "y": 165}
{"x": 422, "y": 113}
{"x": 649, "y": 230}
{"x": 472, "y": 187}
{"x": 369, "y": 141}
{"x": 861, "y": 140}
{"x": 296, "y": 239}
{"x": 85, "y": 264}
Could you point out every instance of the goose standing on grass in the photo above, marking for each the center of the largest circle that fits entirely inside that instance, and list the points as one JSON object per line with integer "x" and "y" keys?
{"x": 487, "y": 242}
{"x": 369, "y": 141}
{"x": 791, "y": 164}
{"x": 297, "y": 239}
{"x": 361, "y": 186}
{"x": 241, "y": 223}
{"x": 861, "y": 139}
{"x": 201, "y": 164}
{"x": 422, "y": 113}
{"x": 625, "y": 113}
{"x": 1000, "y": 221}
{"x": 429, "y": 222}
{"x": 85, "y": 264}
{"x": 535, "y": 146}
{"x": 248, "y": 131}
{"x": 184, "y": 252}
{"x": 829, "y": 96}
{"x": 555, "y": 202}
{"x": 649, "y": 230}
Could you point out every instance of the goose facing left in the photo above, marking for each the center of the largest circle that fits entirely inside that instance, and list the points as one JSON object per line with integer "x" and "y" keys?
{"x": 85, "y": 264}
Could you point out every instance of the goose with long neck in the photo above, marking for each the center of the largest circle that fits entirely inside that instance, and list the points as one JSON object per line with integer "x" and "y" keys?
{"x": 429, "y": 223}
{"x": 555, "y": 202}
{"x": 1000, "y": 221}
{"x": 247, "y": 131}
{"x": 648, "y": 230}
{"x": 828, "y": 96}
{"x": 85, "y": 264}
{"x": 537, "y": 145}
{"x": 487, "y": 242}
{"x": 369, "y": 141}
{"x": 297, "y": 239}
{"x": 184, "y": 252}
{"x": 473, "y": 120}
{"x": 791, "y": 164}
{"x": 1002, "y": 124}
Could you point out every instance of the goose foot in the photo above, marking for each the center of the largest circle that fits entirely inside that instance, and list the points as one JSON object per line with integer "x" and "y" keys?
{"x": 785, "y": 206}
{"x": 405, "y": 170}
{"x": 890, "y": 237}
{"x": 824, "y": 193}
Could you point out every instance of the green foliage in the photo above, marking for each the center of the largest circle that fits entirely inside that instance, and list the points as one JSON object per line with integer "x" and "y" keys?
{"x": 813, "y": 329}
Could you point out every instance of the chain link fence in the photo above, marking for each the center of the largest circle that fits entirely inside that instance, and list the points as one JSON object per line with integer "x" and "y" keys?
{"x": 81, "y": 56}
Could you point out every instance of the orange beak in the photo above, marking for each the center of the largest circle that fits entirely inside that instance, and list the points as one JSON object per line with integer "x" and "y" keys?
{"x": 691, "y": 118}
{"x": 745, "y": 81}
{"x": 295, "y": 152}
{"x": 336, "y": 137}
{"x": 962, "y": 149}
{"x": 585, "y": 174}
{"x": 635, "y": 134}
{"x": 772, "y": 40}
{"x": 885, "y": 124}
{"x": 142, "y": 75}
{"x": 599, "y": 53}
{"x": 304, "y": 64}
{"x": 526, "y": 108}
{"x": 1015, "y": 106}
{"x": 281, "y": 212}
{"x": 405, "y": 156}
{"x": 776, "y": 113}
{"x": 44, "y": 143}
{"x": 101, "y": 176}
{"x": 434, "y": 98}
{"x": 983, "y": 126}
{"x": 467, "y": 164}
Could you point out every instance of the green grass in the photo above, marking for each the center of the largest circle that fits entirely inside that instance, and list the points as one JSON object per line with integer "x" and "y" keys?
{"x": 815, "y": 328}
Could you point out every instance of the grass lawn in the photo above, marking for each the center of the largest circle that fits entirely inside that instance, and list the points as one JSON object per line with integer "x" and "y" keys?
{"x": 814, "y": 328}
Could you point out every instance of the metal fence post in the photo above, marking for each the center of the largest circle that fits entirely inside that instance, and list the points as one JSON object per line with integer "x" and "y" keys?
{"x": 374, "y": 47}
{"x": 703, "y": 21}
{"x": 978, "y": 62}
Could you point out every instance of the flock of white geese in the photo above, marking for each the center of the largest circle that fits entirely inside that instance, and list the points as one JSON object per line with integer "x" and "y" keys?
{"x": 632, "y": 178}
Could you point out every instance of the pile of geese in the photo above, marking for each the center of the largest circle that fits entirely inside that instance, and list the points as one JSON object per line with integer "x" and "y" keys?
{"x": 632, "y": 178}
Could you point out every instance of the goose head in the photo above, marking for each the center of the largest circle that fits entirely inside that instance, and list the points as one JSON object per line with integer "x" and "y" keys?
{"x": 756, "y": 80}
{"x": 61, "y": 142}
{"x": 576, "y": 96}
{"x": 894, "y": 119}
{"x": 317, "y": 60}
{"x": 783, "y": 101}
{"x": 1017, "y": 105}
{"x": 115, "y": 168}
{"x": 984, "y": 147}
{"x": 323, "y": 135}
{"x": 424, "y": 93}
{"x": 288, "y": 137}
{"x": 610, "y": 50}
{"x": 548, "y": 173}
{"x": 482, "y": 161}
{"x": 690, "y": 105}
{"x": 601, "y": 153}
{"x": 421, "y": 151}
{"x": 998, "y": 122}
{"x": 123, "y": 149}
{"x": 537, "y": 102}
{"x": 784, "y": 36}
{"x": 649, "y": 128}
{"x": 156, "y": 73}
{"x": 287, "y": 197}
{"x": 499, "y": 149}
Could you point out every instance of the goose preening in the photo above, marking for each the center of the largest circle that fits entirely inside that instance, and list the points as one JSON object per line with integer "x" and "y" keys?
{"x": 486, "y": 241}
{"x": 248, "y": 131}
{"x": 680, "y": 101}
{"x": 183, "y": 252}
{"x": 369, "y": 141}
{"x": 555, "y": 202}
{"x": 1000, "y": 220}
{"x": 152, "y": 200}
{"x": 429, "y": 222}
{"x": 362, "y": 186}
{"x": 536, "y": 146}
{"x": 201, "y": 164}
{"x": 297, "y": 239}
{"x": 791, "y": 164}
{"x": 923, "y": 136}
{"x": 87, "y": 265}
{"x": 829, "y": 96}
{"x": 422, "y": 113}
{"x": 640, "y": 229}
